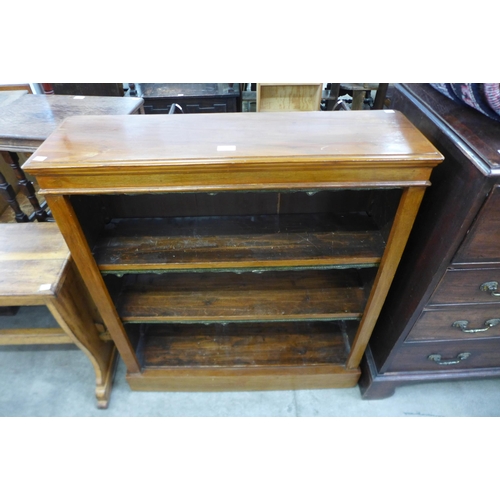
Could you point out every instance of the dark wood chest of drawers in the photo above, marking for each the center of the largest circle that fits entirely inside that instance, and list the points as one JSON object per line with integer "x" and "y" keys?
{"x": 441, "y": 320}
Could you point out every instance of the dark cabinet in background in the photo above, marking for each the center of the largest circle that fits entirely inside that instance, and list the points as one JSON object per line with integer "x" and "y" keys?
{"x": 191, "y": 97}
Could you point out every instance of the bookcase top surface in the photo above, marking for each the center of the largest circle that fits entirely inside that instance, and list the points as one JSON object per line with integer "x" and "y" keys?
{"x": 369, "y": 137}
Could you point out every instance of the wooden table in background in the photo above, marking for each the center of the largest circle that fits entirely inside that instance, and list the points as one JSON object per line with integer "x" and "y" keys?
{"x": 26, "y": 120}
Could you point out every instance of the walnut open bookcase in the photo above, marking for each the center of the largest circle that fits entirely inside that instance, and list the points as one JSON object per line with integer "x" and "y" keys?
{"x": 238, "y": 251}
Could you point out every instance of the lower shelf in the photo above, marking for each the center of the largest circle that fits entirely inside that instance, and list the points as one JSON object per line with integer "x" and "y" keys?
{"x": 31, "y": 325}
{"x": 249, "y": 356}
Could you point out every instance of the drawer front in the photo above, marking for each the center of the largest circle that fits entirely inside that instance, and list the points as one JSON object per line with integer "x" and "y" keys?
{"x": 447, "y": 356}
{"x": 439, "y": 324}
{"x": 461, "y": 286}
{"x": 482, "y": 242}
{"x": 199, "y": 105}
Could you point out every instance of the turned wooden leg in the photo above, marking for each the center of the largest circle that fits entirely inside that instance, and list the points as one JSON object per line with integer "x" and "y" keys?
{"x": 8, "y": 193}
{"x": 358, "y": 98}
{"x": 74, "y": 314}
{"x": 334, "y": 96}
{"x": 26, "y": 186}
{"x": 380, "y": 96}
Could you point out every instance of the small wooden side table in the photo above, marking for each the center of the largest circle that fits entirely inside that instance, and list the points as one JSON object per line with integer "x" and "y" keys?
{"x": 36, "y": 269}
{"x": 26, "y": 120}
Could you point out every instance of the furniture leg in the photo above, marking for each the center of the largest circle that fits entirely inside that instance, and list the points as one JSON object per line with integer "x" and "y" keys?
{"x": 358, "y": 97}
{"x": 334, "y": 96}
{"x": 370, "y": 384}
{"x": 27, "y": 187}
{"x": 67, "y": 222}
{"x": 7, "y": 191}
{"x": 73, "y": 313}
{"x": 380, "y": 96}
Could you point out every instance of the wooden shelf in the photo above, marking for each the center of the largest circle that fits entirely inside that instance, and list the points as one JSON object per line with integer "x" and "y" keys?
{"x": 32, "y": 325}
{"x": 246, "y": 345}
{"x": 177, "y": 243}
{"x": 223, "y": 297}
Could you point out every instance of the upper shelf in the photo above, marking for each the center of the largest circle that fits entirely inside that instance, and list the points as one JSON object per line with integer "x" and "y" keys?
{"x": 231, "y": 242}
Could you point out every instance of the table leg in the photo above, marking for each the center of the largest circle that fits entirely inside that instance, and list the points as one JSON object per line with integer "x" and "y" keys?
{"x": 27, "y": 187}
{"x": 358, "y": 98}
{"x": 71, "y": 308}
{"x": 380, "y": 96}
{"x": 334, "y": 96}
{"x": 7, "y": 191}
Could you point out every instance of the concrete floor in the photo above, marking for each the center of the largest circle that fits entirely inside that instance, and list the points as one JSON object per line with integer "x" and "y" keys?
{"x": 50, "y": 381}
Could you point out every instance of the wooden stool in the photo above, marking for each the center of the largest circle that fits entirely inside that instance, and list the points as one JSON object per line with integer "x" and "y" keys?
{"x": 36, "y": 269}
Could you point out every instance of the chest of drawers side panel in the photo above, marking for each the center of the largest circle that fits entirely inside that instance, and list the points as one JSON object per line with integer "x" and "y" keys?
{"x": 449, "y": 207}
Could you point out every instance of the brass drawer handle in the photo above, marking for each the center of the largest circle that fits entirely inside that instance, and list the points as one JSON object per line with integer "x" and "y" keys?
{"x": 437, "y": 359}
{"x": 491, "y": 287}
{"x": 462, "y": 325}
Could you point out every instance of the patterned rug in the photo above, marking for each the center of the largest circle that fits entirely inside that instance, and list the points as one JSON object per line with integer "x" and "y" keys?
{"x": 484, "y": 97}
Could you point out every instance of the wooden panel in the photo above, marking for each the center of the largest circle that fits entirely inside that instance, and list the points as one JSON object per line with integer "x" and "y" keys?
{"x": 221, "y": 297}
{"x": 34, "y": 317}
{"x": 16, "y": 87}
{"x": 213, "y": 178}
{"x": 30, "y": 119}
{"x": 232, "y": 203}
{"x": 437, "y": 325}
{"x": 80, "y": 252}
{"x": 96, "y": 89}
{"x": 160, "y": 143}
{"x": 483, "y": 354}
{"x": 481, "y": 244}
{"x": 463, "y": 286}
{"x": 276, "y": 344}
{"x": 289, "y": 96}
{"x": 230, "y": 242}
{"x": 403, "y": 222}
{"x": 34, "y": 336}
{"x": 32, "y": 258}
{"x": 244, "y": 379}
{"x": 7, "y": 97}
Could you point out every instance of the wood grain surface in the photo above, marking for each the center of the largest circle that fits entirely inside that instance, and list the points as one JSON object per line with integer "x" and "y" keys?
{"x": 32, "y": 259}
{"x": 219, "y": 297}
{"x": 365, "y": 139}
{"x": 238, "y": 242}
{"x": 27, "y": 121}
{"x": 250, "y": 344}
